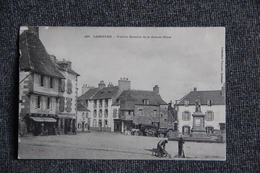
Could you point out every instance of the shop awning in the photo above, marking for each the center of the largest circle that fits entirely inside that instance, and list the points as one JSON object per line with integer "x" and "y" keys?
{"x": 44, "y": 119}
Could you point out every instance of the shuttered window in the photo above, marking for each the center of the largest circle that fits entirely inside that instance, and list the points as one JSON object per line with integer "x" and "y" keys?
{"x": 209, "y": 115}
{"x": 186, "y": 115}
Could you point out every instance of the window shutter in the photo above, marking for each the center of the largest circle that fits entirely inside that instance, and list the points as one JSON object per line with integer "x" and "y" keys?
{"x": 189, "y": 115}
{"x": 183, "y": 116}
{"x": 61, "y": 107}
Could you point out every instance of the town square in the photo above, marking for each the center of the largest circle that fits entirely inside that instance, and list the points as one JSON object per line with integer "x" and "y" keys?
{"x": 97, "y": 145}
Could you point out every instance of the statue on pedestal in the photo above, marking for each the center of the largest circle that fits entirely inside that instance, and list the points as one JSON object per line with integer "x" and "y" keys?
{"x": 197, "y": 104}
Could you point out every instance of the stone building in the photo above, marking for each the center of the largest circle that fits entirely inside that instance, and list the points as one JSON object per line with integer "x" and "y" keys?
{"x": 138, "y": 107}
{"x": 212, "y": 117}
{"x": 99, "y": 102}
{"x": 45, "y": 88}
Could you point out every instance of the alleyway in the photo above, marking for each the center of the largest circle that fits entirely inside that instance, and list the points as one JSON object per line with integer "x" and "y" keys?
{"x": 97, "y": 145}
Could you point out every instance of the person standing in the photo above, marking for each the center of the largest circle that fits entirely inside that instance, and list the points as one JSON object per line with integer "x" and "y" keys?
{"x": 180, "y": 145}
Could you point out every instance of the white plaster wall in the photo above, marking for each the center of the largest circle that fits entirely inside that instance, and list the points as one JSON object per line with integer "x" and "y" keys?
{"x": 46, "y": 88}
{"x": 219, "y": 115}
{"x": 43, "y": 109}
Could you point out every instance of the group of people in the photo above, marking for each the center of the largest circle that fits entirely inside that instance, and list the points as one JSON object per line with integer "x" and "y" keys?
{"x": 161, "y": 148}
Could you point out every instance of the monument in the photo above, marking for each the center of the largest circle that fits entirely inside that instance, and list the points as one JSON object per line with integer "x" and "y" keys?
{"x": 198, "y": 130}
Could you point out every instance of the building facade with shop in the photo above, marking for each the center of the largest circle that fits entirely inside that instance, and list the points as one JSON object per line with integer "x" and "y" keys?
{"x": 212, "y": 117}
{"x": 41, "y": 88}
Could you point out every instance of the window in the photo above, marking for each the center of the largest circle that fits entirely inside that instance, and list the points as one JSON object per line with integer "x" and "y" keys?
{"x": 106, "y": 113}
{"x": 146, "y": 102}
{"x": 186, "y": 116}
{"x": 140, "y": 112}
{"x": 62, "y": 85}
{"x": 51, "y": 83}
{"x": 106, "y": 103}
{"x": 115, "y": 112}
{"x": 41, "y": 80}
{"x": 48, "y": 105}
{"x": 186, "y": 130}
{"x": 209, "y": 115}
{"x": 38, "y": 101}
{"x": 154, "y": 113}
{"x": 100, "y": 113}
{"x": 100, "y": 103}
{"x": 95, "y": 104}
{"x": 209, "y": 102}
{"x": 106, "y": 123}
{"x": 83, "y": 116}
{"x": 210, "y": 129}
{"x": 95, "y": 113}
{"x": 186, "y": 103}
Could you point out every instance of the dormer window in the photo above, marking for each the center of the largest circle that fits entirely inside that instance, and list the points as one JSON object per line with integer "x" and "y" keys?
{"x": 209, "y": 102}
{"x": 146, "y": 102}
{"x": 186, "y": 103}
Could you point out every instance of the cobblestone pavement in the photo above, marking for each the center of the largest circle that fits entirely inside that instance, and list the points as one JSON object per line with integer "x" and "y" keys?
{"x": 101, "y": 145}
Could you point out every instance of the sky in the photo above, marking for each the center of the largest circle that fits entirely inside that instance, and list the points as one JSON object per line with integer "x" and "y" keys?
{"x": 184, "y": 59}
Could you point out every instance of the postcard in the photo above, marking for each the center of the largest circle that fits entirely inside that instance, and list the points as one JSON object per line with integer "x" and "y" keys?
{"x": 122, "y": 93}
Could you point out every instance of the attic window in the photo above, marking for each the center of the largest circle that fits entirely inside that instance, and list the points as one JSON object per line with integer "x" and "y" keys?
{"x": 146, "y": 102}
{"x": 209, "y": 102}
{"x": 186, "y": 103}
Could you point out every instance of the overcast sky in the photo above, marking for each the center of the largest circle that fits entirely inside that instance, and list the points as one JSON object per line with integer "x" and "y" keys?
{"x": 190, "y": 58}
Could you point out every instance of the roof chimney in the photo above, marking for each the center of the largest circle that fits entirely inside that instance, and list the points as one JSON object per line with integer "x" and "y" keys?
{"x": 195, "y": 89}
{"x": 156, "y": 89}
{"x": 124, "y": 84}
{"x": 101, "y": 84}
{"x": 85, "y": 88}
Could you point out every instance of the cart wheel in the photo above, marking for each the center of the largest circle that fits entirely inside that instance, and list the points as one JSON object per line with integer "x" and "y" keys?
{"x": 150, "y": 133}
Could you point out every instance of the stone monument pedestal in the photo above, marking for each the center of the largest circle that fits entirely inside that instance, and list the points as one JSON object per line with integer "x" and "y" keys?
{"x": 198, "y": 130}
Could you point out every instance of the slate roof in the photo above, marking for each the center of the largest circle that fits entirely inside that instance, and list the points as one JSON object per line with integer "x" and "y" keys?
{"x": 34, "y": 57}
{"x": 106, "y": 92}
{"x": 89, "y": 94}
{"x": 96, "y": 93}
{"x": 81, "y": 107}
{"x": 137, "y": 96}
{"x": 215, "y": 95}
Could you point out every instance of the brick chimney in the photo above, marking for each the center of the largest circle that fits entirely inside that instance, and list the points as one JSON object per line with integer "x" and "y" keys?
{"x": 124, "y": 84}
{"x": 101, "y": 84}
{"x": 156, "y": 89}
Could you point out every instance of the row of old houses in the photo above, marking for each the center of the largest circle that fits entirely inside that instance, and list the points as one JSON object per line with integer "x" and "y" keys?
{"x": 48, "y": 89}
{"x": 120, "y": 108}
